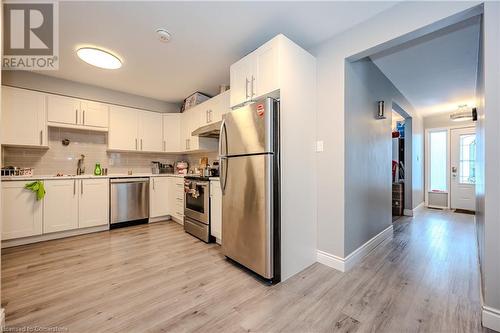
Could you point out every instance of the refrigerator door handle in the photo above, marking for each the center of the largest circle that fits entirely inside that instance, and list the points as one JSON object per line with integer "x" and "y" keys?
{"x": 223, "y": 139}
{"x": 223, "y": 174}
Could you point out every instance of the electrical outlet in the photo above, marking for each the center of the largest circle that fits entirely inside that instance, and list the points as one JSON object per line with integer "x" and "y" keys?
{"x": 319, "y": 146}
{"x": 111, "y": 162}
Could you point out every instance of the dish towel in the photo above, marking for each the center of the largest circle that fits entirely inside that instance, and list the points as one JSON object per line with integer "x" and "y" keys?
{"x": 36, "y": 187}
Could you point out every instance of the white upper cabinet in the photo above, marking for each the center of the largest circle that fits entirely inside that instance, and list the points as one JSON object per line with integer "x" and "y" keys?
{"x": 220, "y": 106}
{"x": 123, "y": 128}
{"x": 24, "y": 121}
{"x": 172, "y": 132}
{"x": 71, "y": 112}
{"x": 135, "y": 130}
{"x": 94, "y": 114}
{"x": 150, "y": 131}
{"x": 240, "y": 76}
{"x": 63, "y": 110}
{"x": 257, "y": 74}
{"x": 93, "y": 205}
{"x": 21, "y": 211}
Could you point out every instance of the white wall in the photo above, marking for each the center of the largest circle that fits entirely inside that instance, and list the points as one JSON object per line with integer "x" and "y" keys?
{"x": 400, "y": 23}
{"x": 488, "y": 191}
{"x": 34, "y": 81}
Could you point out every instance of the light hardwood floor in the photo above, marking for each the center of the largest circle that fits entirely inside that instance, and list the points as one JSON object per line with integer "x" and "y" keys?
{"x": 156, "y": 278}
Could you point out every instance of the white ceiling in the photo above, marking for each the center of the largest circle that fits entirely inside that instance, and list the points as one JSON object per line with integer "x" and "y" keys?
{"x": 207, "y": 38}
{"x": 436, "y": 73}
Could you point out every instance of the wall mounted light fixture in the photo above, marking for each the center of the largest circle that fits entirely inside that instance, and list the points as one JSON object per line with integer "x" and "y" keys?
{"x": 380, "y": 110}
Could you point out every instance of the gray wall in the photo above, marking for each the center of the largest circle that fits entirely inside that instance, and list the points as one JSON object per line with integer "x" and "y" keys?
{"x": 488, "y": 161}
{"x": 368, "y": 146}
{"x": 44, "y": 83}
{"x": 408, "y": 20}
{"x": 480, "y": 157}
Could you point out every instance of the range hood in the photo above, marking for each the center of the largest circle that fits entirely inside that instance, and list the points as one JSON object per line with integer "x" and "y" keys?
{"x": 208, "y": 131}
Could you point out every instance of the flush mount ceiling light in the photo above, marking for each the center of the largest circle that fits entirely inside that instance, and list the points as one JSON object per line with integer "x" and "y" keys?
{"x": 99, "y": 58}
{"x": 463, "y": 113}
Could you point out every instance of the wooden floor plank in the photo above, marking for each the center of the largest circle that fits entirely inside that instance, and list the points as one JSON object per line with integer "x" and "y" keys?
{"x": 156, "y": 278}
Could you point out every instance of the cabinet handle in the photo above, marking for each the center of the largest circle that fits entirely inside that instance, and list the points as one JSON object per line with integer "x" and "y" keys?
{"x": 253, "y": 80}
{"x": 41, "y": 137}
{"x": 153, "y": 184}
{"x": 84, "y": 117}
{"x": 186, "y": 144}
{"x": 76, "y": 116}
{"x": 135, "y": 143}
{"x": 141, "y": 144}
{"x": 206, "y": 116}
{"x": 164, "y": 145}
{"x": 81, "y": 186}
{"x": 246, "y": 87}
{"x": 189, "y": 143}
{"x": 74, "y": 187}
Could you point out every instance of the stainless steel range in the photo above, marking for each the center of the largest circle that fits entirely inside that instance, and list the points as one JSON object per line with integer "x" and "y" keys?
{"x": 197, "y": 207}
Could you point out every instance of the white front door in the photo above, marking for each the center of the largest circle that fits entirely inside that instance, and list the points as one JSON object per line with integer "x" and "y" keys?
{"x": 463, "y": 169}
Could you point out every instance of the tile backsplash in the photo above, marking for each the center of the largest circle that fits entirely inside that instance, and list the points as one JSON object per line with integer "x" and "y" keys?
{"x": 63, "y": 159}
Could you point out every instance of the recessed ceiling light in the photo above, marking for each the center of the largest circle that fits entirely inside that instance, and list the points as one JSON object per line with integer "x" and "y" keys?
{"x": 99, "y": 58}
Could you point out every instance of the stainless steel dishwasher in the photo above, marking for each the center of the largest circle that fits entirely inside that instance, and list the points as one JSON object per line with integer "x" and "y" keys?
{"x": 129, "y": 201}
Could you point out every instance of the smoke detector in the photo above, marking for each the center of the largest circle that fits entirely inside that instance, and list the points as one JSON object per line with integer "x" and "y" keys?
{"x": 163, "y": 35}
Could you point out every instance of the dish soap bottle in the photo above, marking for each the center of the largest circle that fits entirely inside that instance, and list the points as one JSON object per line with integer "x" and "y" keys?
{"x": 97, "y": 169}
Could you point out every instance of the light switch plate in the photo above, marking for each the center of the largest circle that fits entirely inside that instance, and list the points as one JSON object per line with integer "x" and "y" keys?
{"x": 111, "y": 162}
{"x": 319, "y": 146}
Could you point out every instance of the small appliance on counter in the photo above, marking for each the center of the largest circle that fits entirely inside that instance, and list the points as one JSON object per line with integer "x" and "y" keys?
{"x": 182, "y": 167}
{"x": 161, "y": 168}
{"x": 15, "y": 171}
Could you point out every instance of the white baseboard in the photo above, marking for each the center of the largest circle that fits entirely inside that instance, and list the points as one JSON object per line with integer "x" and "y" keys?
{"x": 2, "y": 319}
{"x": 491, "y": 318}
{"x": 51, "y": 236}
{"x": 408, "y": 212}
{"x": 330, "y": 260}
{"x": 347, "y": 263}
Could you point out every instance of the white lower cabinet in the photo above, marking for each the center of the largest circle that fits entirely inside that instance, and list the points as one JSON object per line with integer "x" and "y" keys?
{"x": 60, "y": 205}
{"x": 177, "y": 198}
{"x": 22, "y": 213}
{"x": 93, "y": 202}
{"x": 216, "y": 210}
{"x": 159, "y": 196}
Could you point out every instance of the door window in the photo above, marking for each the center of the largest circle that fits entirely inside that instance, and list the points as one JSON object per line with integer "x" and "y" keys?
{"x": 438, "y": 144}
{"x": 467, "y": 169}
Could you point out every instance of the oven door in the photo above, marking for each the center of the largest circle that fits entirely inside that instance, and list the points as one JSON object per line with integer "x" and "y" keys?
{"x": 196, "y": 200}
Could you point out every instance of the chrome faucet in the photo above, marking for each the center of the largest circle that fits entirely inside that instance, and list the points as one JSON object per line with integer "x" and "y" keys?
{"x": 80, "y": 169}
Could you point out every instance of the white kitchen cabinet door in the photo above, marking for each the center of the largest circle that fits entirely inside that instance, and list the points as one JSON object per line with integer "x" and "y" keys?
{"x": 22, "y": 213}
{"x": 150, "y": 131}
{"x": 265, "y": 75}
{"x": 64, "y": 110}
{"x": 220, "y": 107}
{"x": 159, "y": 196}
{"x": 94, "y": 114}
{"x": 172, "y": 132}
{"x": 93, "y": 205}
{"x": 176, "y": 187}
{"x": 240, "y": 75}
{"x": 216, "y": 210}
{"x": 123, "y": 128}
{"x": 24, "y": 120}
{"x": 60, "y": 205}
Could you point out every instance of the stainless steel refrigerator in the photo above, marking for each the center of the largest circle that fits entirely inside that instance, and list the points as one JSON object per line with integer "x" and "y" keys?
{"x": 249, "y": 177}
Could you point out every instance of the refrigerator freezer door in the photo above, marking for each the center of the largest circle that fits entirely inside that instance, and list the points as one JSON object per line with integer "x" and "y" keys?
{"x": 249, "y": 129}
{"x": 247, "y": 212}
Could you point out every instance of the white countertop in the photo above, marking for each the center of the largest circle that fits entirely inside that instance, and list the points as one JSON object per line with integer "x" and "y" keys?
{"x": 50, "y": 177}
